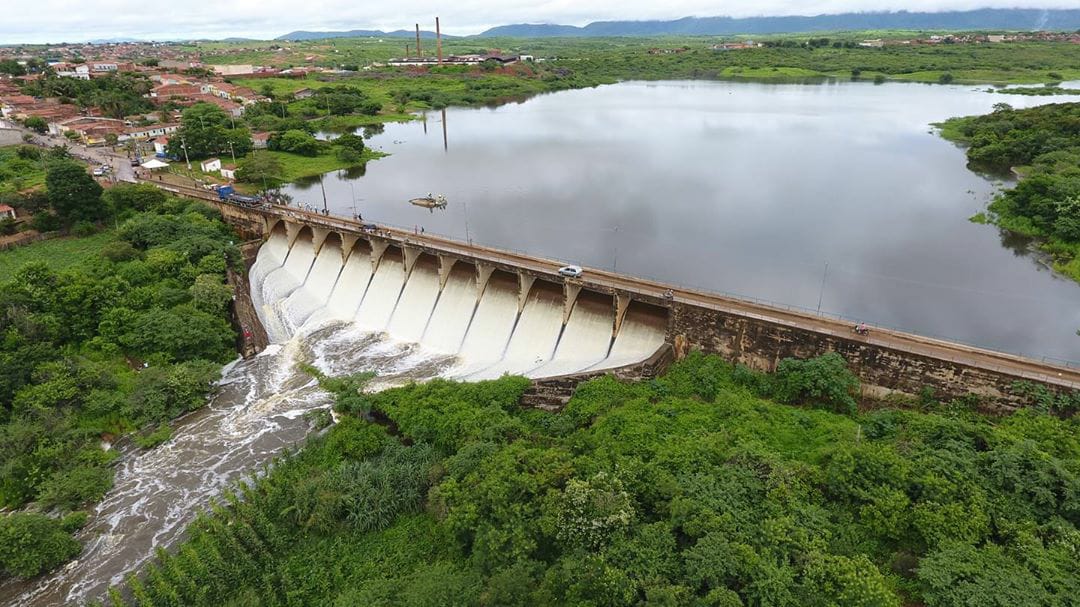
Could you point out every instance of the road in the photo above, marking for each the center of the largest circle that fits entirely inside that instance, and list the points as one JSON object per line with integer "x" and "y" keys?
{"x": 120, "y": 165}
{"x": 1054, "y": 372}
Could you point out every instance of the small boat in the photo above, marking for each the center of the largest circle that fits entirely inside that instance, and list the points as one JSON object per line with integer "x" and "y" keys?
{"x": 430, "y": 202}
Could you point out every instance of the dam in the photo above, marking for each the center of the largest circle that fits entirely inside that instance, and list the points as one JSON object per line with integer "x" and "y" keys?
{"x": 493, "y": 311}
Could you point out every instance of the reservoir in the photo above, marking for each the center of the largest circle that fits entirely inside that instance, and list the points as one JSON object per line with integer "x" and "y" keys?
{"x": 742, "y": 188}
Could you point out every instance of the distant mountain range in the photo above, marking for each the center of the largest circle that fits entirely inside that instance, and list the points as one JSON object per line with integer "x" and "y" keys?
{"x": 304, "y": 35}
{"x": 981, "y": 19}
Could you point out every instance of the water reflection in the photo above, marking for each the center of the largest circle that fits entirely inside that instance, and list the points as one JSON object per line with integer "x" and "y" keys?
{"x": 737, "y": 187}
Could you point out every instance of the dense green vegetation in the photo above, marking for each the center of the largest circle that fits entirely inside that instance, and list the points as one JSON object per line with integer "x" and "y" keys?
{"x": 117, "y": 95}
{"x": 1043, "y": 145}
{"x": 98, "y": 338}
{"x": 691, "y": 489}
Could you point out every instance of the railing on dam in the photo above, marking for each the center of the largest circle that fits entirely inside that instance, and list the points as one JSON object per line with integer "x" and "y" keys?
{"x": 1038, "y": 368}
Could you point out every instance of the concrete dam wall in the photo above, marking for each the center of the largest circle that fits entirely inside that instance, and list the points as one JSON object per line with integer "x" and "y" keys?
{"x": 487, "y": 320}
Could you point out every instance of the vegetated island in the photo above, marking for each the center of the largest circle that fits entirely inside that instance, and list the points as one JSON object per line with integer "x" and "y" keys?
{"x": 1042, "y": 146}
{"x": 711, "y": 486}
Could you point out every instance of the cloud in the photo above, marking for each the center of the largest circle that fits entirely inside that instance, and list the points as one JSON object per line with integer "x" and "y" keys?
{"x": 63, "y": 20}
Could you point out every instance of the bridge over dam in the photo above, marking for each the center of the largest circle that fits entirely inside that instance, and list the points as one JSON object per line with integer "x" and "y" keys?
{"x": 501, "y": 311}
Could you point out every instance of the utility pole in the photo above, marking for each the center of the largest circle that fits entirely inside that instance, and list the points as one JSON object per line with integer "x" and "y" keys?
{"x": 821, "y": 292}
{"x": 326, "y": 211}
{"x": 465, "y": 205}
{"x": 438, "y": 40}
{"x": 183, "y": 144}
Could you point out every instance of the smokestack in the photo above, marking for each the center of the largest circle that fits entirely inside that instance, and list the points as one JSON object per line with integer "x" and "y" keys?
{"x": 438, "y": 40}
{"x": 419, "y": 49}
{"x": 407, "y": 55}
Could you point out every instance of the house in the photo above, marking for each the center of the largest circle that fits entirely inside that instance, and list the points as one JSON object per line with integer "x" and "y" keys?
{"x": 149, "y": 131}
{"x": 161, "y": 144}
{"x": 80, "y": 72}
{"x": 876, "y": 43}
{"x": 995, "y": 38}
{"x": 6, "y": 212}
{"x": 210, "y": 166}
{"x": 259, "y": 140}
{"x": 228, "y": 171}
{"x": 104, "y": 67}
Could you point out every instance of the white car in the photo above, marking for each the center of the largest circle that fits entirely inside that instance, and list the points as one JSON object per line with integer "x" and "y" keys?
{"x": 570, "y": 271}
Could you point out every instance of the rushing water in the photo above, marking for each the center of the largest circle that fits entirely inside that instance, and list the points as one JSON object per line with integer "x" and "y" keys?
{"x": 737, "y": 187}
{"x": 740, "y": 188}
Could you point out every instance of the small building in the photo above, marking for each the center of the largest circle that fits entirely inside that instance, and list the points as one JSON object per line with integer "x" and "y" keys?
{"x": 7, "y": 212}
{"x": 161, "y": 144}
{"x": 995, "y": 38}
{"x": 228, "y": 171}
{"x": 260, "y": 140}
{"x": 211, "y": 165}
{"x": 303, "y": 93}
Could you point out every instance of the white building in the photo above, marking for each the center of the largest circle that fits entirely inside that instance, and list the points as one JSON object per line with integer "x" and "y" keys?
{"x": 212, "y": 165}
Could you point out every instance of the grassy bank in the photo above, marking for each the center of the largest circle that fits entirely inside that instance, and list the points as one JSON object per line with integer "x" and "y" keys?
{"x": 57, "y": 254}
{"x": 297, "y": 166}
{"x": 698, "y": 489}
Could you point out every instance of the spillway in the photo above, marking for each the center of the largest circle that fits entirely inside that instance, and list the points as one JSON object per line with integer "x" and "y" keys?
{"x": 641, "y": 335}
{"x": 535, "y": 336}
{"x": 586, "y": 339}
{"x": 313, "y": 293}
{"x": 351, "y": 285}
{"x": 450, "y": 320}
{"x": 418, "y": 316}
{"x": 383, "y": 293}
{"x": 271, "y": 255}
{"x": 491, "y": 325}
{"x": 417, "y": 301}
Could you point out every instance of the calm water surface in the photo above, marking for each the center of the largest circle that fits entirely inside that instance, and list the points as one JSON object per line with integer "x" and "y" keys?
{"x": 737, "y": 187}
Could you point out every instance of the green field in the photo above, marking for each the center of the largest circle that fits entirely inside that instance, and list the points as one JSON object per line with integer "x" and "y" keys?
{"x": 58, "y": 253}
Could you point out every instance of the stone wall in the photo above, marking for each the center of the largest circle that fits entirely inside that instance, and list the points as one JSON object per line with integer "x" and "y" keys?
{"x": 883, "y": 371}
{"x": 252, "y": 337}
{"x": 552, "y": 393}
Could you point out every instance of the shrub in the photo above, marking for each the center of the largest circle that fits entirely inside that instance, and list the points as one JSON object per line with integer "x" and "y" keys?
{"x": 824, "y": 381}
{"x": 33, "y": 543}
{"x": 77, "y": 486}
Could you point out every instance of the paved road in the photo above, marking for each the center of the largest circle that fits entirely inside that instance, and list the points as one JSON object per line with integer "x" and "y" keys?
{"x": 1047, "y": 371}
{"x": 93, "y": 156}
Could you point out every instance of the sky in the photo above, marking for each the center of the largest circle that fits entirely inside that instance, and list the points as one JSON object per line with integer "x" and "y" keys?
{"x": 67, "y": 21}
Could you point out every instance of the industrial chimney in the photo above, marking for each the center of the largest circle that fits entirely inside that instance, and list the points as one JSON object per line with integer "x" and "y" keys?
{"x": 438, "y": 40}
{"x": 419, "y": 49}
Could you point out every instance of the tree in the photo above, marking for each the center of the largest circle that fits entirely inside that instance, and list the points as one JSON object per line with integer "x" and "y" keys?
{"x": 350, "y": 140}
{"x": 261, "y": 168}
{"x": 295, "y": 142}
{"x": 73, "y": 193}
{"x": 824, "y": 381}
{"x": 36, "y": 123}
{"x": 206, "y": 130}
{"x": 12, "y": 68}
{"x": 209, "y": 294}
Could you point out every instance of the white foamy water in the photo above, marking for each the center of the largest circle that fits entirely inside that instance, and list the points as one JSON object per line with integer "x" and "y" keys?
{"x": 586, "y": 339}
{"x": 342, "y": 319}
{"x": 450, "y": 320}
{"x": 535, "y": 336}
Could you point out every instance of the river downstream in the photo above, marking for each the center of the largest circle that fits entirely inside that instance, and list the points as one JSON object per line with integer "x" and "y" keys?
{"x": 734, "y": 187}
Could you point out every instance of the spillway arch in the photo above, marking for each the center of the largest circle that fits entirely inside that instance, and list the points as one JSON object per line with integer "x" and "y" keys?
{"x": 492, "y": 318}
